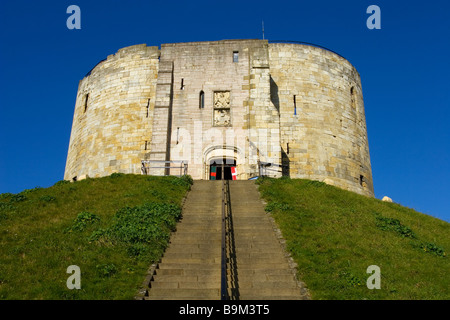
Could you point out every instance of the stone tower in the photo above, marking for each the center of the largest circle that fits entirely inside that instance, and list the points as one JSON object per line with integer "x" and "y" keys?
{"x": 292, "y": 109}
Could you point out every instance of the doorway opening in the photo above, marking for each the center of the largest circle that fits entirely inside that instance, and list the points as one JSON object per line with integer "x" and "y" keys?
{"x": 222, "y": 169}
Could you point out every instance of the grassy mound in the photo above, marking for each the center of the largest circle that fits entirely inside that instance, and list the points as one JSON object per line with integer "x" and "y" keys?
{"x": 112, "y": 228}
{"x": 335, "y": 235}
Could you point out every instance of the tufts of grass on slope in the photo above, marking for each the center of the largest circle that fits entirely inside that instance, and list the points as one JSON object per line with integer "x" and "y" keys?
{"x": 113, "y": 228}
{"x": 335, "y": 235}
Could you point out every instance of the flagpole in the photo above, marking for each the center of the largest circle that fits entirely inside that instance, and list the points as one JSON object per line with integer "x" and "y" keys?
{"x": 263, "y": 29}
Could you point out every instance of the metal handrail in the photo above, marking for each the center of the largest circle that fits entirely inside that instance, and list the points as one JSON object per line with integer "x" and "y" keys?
{"x": 183, "y": 166}
{"x": 223, "y": 284}
{"x": 264, "y": 167}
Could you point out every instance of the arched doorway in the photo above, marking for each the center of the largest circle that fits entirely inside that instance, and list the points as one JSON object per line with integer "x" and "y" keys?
{"x": 229, "y": 156}
{"x": 222, "y": 169}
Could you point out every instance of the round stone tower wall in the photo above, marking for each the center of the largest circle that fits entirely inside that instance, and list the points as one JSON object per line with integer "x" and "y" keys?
{"x": 322, "y": 121}
{"x": 310, "y": 99}
{"x": 112, "y": 121}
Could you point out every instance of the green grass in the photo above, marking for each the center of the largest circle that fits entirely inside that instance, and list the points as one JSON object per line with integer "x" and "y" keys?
{"x": 113, "y": 228}
{"x": 334, "y": 235}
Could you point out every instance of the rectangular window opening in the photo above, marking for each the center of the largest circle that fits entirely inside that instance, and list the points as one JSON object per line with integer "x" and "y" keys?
{"x": 235, "y": 56}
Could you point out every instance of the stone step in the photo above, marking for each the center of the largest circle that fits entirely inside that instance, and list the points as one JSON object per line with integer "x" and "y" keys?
{"x": 249, "y": 217}
{"x": 185, "y": 245}
{"x": 268, "y": 292}
{"x": 252, "y": 228}
{"x": 187, "y": 278}
{"x": 190, "y": 254}
{"x": 256, "y": 255}
{"x": 256, "y": 247}
{"x": 199, "y": 261}
{"x": 248, "y": 251}
{"x": 250, "y": 242}
{"x": 272, "y": 297}
{"x": 249, "y": 210}
{"x": 181, "y": 298}
{"x": 259, "y": 266}
{"x": 197, "y": 266}
{"x": 191, "y": 240}
{"x": 262, "y": 273}
{"x": 200, "y": 219}
{"x": 251, "y": 261}
{"x": 189, "y": 272}
{"x": 205, "y": 210}
{"x": 254, "y": 240}
{"x": 243, "y": 220}
{"x": 199, "y": 229}
{"x": 244, "y": 278}
{"x": 272, "y": 284}
{"x": 199, "y": 222}
{"x": 186, "y": 284}
{"x": 258, "y": 233}
{"x": 199, "y": 234}
{"x": 245, "y": 204}
{"x": 182, "y": 248}
{"x": 184, "y": 294}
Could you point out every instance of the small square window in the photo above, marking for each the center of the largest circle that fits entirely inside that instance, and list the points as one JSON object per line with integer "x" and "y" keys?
{"x": 235, "y": 56}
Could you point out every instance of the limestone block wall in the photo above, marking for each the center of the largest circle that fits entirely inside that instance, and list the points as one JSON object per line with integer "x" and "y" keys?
{"x": 112, "y": 120}
{"x": 244, "y": 100}
{"x": 264, "y": 120}
{"x": 162, "y": 120}
{"x": 223, "y": 72}
{"x": 322, "y": 121}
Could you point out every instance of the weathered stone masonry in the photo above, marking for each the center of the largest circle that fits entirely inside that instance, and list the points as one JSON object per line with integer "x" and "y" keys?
{"x": 240, "y": 100}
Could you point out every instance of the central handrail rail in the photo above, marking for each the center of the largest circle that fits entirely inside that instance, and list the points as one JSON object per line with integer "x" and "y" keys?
{"x": 223, "y": 285}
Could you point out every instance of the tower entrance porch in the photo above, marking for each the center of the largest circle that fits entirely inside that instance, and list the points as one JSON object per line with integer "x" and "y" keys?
{"x": 222, "y": 169}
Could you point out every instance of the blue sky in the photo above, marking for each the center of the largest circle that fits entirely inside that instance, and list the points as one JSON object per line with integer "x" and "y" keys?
{"x": 404, "y": 68}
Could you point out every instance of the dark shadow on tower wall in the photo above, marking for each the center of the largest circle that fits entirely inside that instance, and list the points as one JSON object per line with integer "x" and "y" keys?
{"x": 274, "y": 94}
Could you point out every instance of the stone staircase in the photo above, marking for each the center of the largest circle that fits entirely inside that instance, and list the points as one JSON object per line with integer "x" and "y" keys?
{"x": 263, "y": 270}
{"x": 190, "y": 267}
{"x": 257, "y": 266}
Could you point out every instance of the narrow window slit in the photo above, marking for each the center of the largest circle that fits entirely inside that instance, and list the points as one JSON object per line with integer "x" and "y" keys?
{"x": 201, "y": 100}
{"x": 353, "y": 97}
{"x": 86, "y": 102}
{"x": 295, "y": 104}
